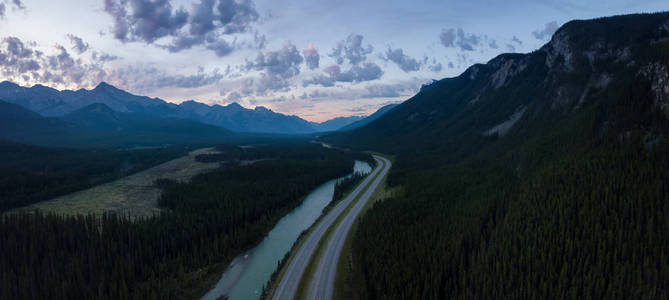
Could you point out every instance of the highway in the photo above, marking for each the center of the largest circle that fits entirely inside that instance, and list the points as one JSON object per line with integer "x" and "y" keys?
{"x": 321, "y": 285}
{"x": 290, "y": 281}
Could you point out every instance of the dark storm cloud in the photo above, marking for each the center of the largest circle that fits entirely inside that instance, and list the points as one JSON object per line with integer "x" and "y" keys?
{"x": 406, "y": 63}
{"x": 311, "y": 57}
{"x": 547, "y": 31}
{"x": 206, "y": 23}
{"x": 351, "y": 49}
{"x": 78, "y": 43}
{"x": 358, "y": 73}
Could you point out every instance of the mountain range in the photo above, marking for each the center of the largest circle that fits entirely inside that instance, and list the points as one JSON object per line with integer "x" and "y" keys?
{"x": 50, "y": 102}
{"x": 97, "y": 125}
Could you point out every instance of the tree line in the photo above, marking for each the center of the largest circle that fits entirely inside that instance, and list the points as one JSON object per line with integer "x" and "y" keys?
{"x": 206, "y": 222}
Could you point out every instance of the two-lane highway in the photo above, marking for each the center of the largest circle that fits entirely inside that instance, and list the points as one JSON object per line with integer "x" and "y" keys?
{"x": 321, "y": 285}
{"x": 290, "y": 281}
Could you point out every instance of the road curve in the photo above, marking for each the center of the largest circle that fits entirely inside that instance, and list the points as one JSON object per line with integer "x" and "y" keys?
{"x": 290, "y": 280}
{"x": 321, "y": 285}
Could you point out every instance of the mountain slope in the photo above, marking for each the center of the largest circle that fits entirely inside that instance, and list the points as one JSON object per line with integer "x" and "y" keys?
{"x": 98, "y": 125}
{"x": 240, "y": 119}
{"x": 101, "y": 117}
{"x": 539, "y": 175}
{"x": 581, "y": 63}
{"x": 21, "y": 125}
{"x": 364, "y": 121}
{"x": 337, "y": 123}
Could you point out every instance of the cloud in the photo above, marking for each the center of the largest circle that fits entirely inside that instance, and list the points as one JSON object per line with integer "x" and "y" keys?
{"x": 547, "y": 31}
{"x": 358, "y": 73}
{"x": 382, "y": 91}
{"x": 373, "y": 107}
{"x": 206, "y": 24}
{"x": 21, "y": 62}
{"x": 366, "y": 72}
{"x": 103, "y": 57}
{"x": 467, "y": 42}
{"x": 447, "y": 37}
{"x": 351, "y": 49}
{"x": 144, "y": 20}
{"x": 78, "y": 44}
{"x": 144, "y": 79}
{"x": 435, "y": 66}
{"x": 220, "y": 47}
{"x": 276, "y": 67}
{"x": 394, "y": 90}
{"x": 311, "y": 57}
{"x": 510, "y": 48}
{"x": 284, "y": 63}
{"x": 322, "y": 80}
{"x": 16, "y": 4}
{"x": 516, "y": 40}
{"x": 262, "y": 85}
{"x": 458, "y": 38}
{"x": 406, "y": 63}
{"x": 259, "y": 41}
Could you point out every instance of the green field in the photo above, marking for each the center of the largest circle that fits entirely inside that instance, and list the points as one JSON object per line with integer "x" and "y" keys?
{"x": 134, "y": 195}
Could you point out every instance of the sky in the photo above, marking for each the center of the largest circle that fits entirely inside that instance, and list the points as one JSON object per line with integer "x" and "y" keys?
{"x": 317, "y": 59}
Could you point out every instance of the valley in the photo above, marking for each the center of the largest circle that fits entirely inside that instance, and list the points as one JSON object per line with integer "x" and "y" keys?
{"x": 349, "y": 174}
{"x": 135, "y": 195}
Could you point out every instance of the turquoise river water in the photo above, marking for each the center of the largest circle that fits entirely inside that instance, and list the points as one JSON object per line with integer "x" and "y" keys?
{"x": 246, "y": 275}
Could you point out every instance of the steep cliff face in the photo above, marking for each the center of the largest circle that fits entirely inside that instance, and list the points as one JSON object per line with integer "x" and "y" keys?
{"x": 658, "y": 75}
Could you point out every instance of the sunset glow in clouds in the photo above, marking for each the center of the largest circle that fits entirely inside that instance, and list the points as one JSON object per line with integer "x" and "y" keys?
{"x": 315, "y": 59}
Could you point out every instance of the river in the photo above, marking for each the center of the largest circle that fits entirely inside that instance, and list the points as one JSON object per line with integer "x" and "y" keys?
{"x": 246, "y": 275}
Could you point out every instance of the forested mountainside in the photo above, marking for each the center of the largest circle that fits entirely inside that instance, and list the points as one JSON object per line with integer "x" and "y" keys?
{"x": 539, "y": 175}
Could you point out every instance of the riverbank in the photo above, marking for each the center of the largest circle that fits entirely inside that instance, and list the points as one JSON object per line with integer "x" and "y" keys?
{"x": 264, "y": 258}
